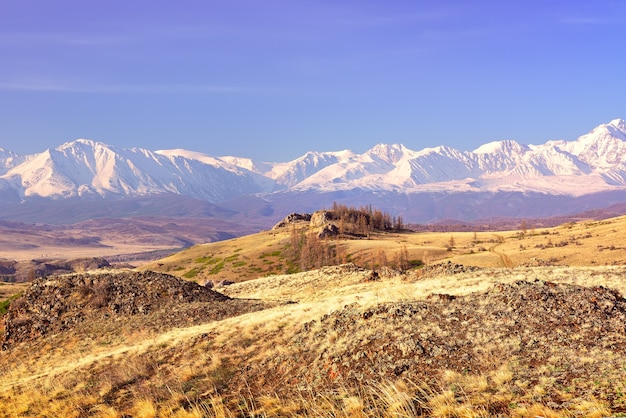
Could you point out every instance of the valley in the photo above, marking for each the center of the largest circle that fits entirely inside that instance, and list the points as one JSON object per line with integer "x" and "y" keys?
{"x": 26, "y": 248}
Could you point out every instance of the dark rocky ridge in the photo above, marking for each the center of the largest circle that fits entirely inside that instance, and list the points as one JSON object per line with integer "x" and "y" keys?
{"x": 58, "y": 303}
{"x": 530, "y": 326}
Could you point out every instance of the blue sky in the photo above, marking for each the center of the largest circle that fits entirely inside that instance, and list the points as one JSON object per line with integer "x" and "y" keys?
{"x": 271, "y": 79}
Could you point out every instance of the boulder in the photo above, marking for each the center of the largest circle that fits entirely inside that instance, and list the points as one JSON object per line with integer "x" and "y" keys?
{"x": 320, "y": 218}
{"x": 291, "y": 218}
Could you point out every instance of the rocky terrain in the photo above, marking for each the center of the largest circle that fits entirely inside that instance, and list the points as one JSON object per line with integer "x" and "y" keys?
{"x": 445, "y": 340}
{"x": 61, "y": 303}
{"x": 531, "y": 326}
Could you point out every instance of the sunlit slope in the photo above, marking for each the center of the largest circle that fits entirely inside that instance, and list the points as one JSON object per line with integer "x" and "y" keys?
{"x": 270, "y": 252}
{"x": 296, "y": 359}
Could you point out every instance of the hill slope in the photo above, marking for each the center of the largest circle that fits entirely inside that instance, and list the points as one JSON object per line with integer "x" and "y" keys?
{"x": 485, "y": 343}
{"x": 583, "y": 243}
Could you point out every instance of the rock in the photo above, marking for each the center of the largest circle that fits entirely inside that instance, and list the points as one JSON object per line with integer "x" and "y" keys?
{"x": 328, "y": 230}
{"x": 372, "y": 277}
{"x": 223, "y": 283}
{"x": 292, "y": 218}
{"x": 441, "y": 269}
{"x": 320, "y": 218}
{"x": 528, "y": 323}
{"x": 55, "y": 303}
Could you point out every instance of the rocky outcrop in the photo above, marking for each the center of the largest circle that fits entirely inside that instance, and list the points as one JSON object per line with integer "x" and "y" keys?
{"x": 321, "y": 218}
{"x": 328, "y": 230}
{"x": 56, "y": 303}
{"x": 527, "y": 323}
{"x": 291, "y": 218}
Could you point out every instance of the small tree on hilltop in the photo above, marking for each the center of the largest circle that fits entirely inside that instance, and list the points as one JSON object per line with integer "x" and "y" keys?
{"x": 523, "y": 227}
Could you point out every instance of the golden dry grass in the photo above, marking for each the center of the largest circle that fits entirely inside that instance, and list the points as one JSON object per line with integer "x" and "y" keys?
{"x": 178, "y": 372}
{"x": 184, "y": 372}
{"x": 592, "y": 243}
{"x": 10, "y": 289}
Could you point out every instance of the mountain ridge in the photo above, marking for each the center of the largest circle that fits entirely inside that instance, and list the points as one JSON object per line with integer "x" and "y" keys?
{"x": 593, "y": 163}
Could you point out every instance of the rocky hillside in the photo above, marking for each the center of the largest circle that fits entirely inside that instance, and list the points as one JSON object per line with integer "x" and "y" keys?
{"x": 529, "y": 325}
{"x": 456, "y": 341}
{"x": 60, "y": 303}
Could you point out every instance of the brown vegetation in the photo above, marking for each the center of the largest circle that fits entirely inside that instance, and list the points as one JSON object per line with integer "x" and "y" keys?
{"x": 451, "y": 338}
{"x": 479, "y": 343}
{"x": 273, "y": 252}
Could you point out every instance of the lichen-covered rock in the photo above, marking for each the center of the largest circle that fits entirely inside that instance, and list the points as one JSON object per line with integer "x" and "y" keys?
{"x": 55, "y": 303}
{"x": 528, "y": 324}
{"x": 440, "y": 269}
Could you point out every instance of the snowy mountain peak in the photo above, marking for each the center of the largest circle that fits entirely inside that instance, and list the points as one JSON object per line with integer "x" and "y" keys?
{"x": 614, "y": 129}
{"x": 82, "y": 144}
{"x": 595, "y": 161}
{"x": 193, "y": 155}
{"x": 604, "y": 148}
{"x": 6, "y": 154}
{"x": 8, "y": 159}
{"x": 620, "y": 124}
{"x": 291, "y": 173}
{"x": 507, "y": 146}
{"x": 390, "y": 153}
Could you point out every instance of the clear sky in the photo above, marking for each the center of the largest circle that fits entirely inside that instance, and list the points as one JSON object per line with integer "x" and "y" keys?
{"x": 271, "y": 79}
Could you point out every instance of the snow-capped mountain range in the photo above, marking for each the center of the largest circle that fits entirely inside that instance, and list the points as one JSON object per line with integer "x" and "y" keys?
{"x": 595, "y": 162}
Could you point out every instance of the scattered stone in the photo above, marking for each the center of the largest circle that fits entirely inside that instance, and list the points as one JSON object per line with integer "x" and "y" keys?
{"x": 56, "y": 303}
{"x": 441, "y": 269}
{"x": 223, "y": 283}
{"x": 526, "y": 325}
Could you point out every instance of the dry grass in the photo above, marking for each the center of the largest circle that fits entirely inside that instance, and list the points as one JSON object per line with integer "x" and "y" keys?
{"x": 184, "y": 372}
{"x": 593, "y": 243}
{"x": 9, "y": 289}
{"x": 203, "y": 370}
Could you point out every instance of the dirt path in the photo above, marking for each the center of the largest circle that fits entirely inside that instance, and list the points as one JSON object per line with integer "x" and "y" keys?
{"x": 505, "y": 259}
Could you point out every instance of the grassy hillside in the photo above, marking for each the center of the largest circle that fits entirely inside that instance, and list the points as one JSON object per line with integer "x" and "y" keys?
{"x": 441, "y": 340}
{"x": 268, "y": 252}
{"x": 478, "y": 343}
